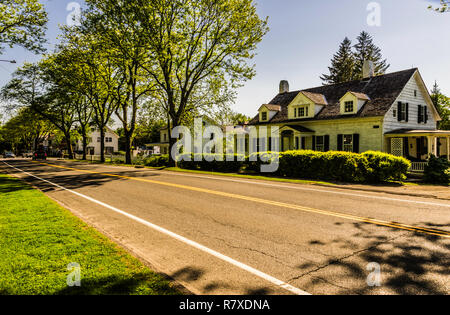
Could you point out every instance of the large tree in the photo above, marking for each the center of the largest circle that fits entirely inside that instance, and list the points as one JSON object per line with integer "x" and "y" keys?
{"x": 365, "y": 49}
{"x": 342, "y": 65}
{"x": 442, "y": 104}
{"x": 444, "y": 7}
{"x": 347, "y": 63}
{"x": 22, "y": 23}
{"x": 194, "y": 44}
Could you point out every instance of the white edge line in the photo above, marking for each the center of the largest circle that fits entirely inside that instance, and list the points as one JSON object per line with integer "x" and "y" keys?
{"x": 180, "y": 238}
{"x": 287, "y": 185}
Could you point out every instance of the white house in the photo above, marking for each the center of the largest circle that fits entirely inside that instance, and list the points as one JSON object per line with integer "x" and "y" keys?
{"x": 94, "y": 142}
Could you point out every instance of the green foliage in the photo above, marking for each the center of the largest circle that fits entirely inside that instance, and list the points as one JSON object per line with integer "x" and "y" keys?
{"x": 157, "y": 161}
{"x": 347, "y": 65}
{"x": 22, "y": 23}
{"x": 342, "y": 65}
{"x": 437, "y": 171}
{"x": 38, "y": 239}
{"x": 384, "y": 167}
{"x": 444, "y": 7}
{"x": 338, "y": 166}
{"x": 442, "y": 104}
{"x": 225, "y": 163}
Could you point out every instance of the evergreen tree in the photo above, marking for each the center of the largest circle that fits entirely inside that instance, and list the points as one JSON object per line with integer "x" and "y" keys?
{"x": 365, "y": 49}
{"x": 442, "y": 104}
{"x": 342, "y": 65}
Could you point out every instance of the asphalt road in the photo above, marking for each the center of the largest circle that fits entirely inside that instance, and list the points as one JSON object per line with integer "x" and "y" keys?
{"x": 224, "y": 235}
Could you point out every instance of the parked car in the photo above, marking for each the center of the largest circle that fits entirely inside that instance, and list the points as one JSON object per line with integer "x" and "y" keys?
{"x": 9, "y": 155}
{"x": 27, "y": 154}
{"x": 40, "y": 155}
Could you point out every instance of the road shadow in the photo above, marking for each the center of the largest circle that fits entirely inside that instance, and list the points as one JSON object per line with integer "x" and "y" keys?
{"x": 411, "y": 263}
{"x": 73, "y": 179}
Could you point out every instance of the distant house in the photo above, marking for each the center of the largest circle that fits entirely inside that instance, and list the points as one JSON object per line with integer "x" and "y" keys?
{"x": 392, "y": 113}
{"x": 94, "y": 142}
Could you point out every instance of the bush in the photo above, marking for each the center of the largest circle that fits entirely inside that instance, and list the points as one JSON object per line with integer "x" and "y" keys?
{"x": 384, "y": 167}
{"x": 340, "y": 166}
{"x": 208, "y": 162}
{"x": 437, "y": 171}
{"x": 157, "y": 161}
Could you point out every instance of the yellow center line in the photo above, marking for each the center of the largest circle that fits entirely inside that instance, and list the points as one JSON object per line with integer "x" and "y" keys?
{"x": 273, "y": 203}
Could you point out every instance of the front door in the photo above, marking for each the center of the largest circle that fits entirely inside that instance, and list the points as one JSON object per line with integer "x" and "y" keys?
{"x": 286, "y": 143}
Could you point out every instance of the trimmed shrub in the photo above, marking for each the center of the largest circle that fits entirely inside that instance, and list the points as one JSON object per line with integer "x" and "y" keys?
{"x": 384, "y": 167}
{"x": 208, "y": 162}
{"x": 157, "y": 161}
{"x": 339, "y": 166}
{"x": 437, "y": 171}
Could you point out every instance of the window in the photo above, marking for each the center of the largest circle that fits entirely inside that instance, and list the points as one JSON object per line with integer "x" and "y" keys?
{"x": 302, "y": 111}
{"x": 99, "y": 139}
{"x": 264, "y": 116}
{"x": 349, "y": 107}
{"x": 320, "y": 143}
{"x": 402, "y": 110}
{"x": 348, "y": 143}
{"x": 422, "y": 114}
{"x": 165, "y": 137}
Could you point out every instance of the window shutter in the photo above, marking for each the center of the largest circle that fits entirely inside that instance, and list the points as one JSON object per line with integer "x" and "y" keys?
{"x": 419, "y": 114}
{"x": 425, "y": 114}
{"x": 405, "y": 147}
{"x": 327, "y": 143}
{"x": 399, "y": 111}
{"x": 340, "y": 142}
{"x": 407, "y": 112}
{"x": 314, "y": 143}
{"x": 356, "y": 143}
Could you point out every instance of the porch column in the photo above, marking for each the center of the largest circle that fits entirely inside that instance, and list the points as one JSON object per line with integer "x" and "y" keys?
{"x": 448, "y": 148}
{"x": 431, "y": 146}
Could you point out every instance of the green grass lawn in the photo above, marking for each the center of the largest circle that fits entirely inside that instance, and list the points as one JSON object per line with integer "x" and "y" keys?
{"x": 38, "y": 239}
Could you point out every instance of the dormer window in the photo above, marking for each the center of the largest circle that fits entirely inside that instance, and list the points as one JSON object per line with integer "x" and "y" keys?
{"x": 264, "y": 116}
{"x": 349, "y": 107}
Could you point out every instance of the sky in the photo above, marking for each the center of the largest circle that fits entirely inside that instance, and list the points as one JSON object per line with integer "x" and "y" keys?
{"x": 305, "y": 34}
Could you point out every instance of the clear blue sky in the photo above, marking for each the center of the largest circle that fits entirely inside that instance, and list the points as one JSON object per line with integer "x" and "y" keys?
{"x": 304, "y": 35}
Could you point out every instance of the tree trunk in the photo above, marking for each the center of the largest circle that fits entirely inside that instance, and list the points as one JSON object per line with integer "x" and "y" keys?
{"x": 69, "y": 145}
{"x": 171, "y": 141}
{"x": 127, "y": 148}
{"x": 84, "y": 145}
{"x": 102, "y": 144}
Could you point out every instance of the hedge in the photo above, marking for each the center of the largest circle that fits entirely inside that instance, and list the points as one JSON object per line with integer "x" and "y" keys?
{"x": 370, "y": 166}
{"x": 384, "y": 167}
{"x": 157, "y": 161}
{"x": 437, "y": 171}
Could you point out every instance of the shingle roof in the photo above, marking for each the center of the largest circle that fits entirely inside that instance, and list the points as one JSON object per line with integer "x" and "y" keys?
{"x": 271, "y": 107}
{"x": 316, "y": 98}
{"x": 382, "y": 90}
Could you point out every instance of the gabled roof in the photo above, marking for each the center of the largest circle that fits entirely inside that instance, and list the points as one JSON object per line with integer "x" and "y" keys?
{"x": 271, "y": 107}
{"x": 360, "y": 96}
{"x": 382, "y": 90}
{"x": 317, "y": 98}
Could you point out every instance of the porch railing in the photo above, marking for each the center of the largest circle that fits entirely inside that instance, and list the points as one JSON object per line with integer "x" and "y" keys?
{"x": 418, "y": 167}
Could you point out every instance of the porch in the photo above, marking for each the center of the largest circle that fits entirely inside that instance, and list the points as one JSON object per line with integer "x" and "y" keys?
{"x": 296, "y": 138}
{"x": 418, "y": 145}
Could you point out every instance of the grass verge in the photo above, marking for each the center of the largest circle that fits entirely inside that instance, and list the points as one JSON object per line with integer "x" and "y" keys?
{"x": 39, "y": 239}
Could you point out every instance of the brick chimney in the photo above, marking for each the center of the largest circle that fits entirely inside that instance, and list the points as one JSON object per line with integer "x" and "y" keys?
{"x": 368, "y": 69}
{"x": 284, "y": 86}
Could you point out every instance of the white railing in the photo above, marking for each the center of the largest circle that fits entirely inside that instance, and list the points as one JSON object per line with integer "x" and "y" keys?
{"x": 418, "y": 167}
